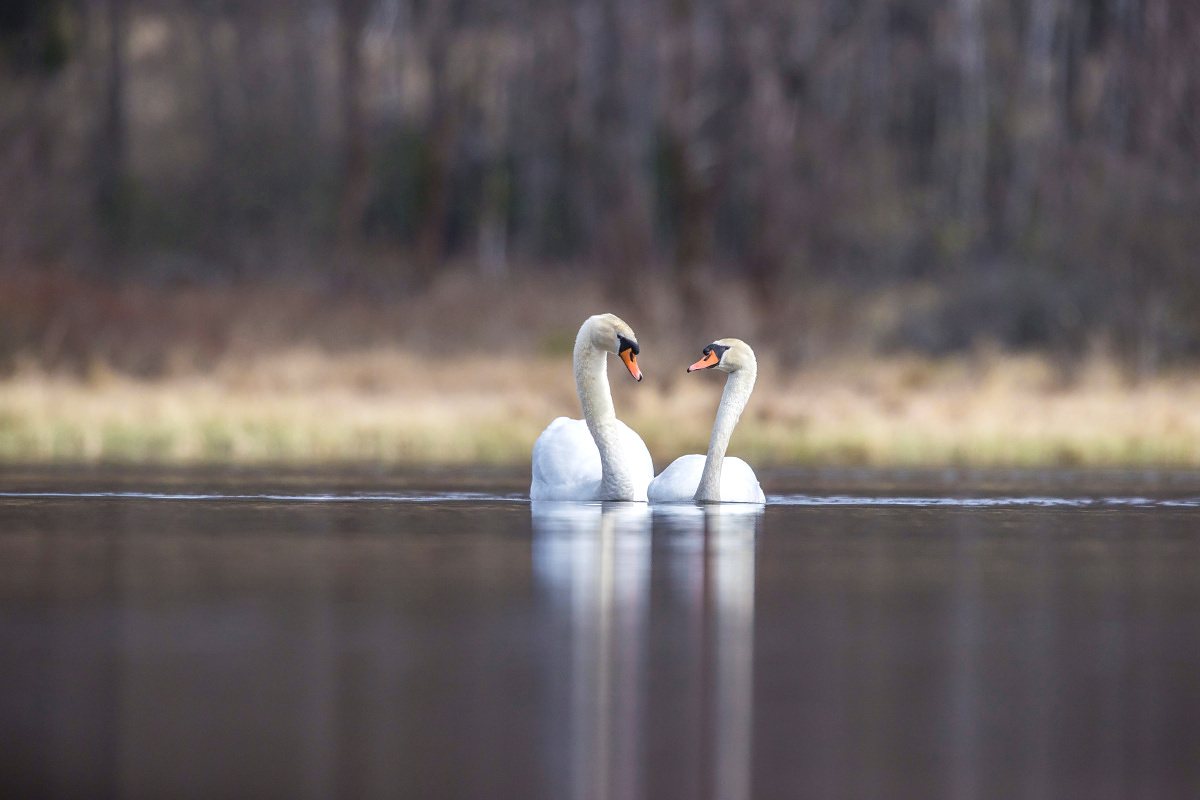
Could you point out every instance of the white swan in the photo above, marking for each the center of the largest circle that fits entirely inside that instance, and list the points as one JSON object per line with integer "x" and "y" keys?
{"x": 716, "y": 479}
{"x": 598, "y": 457}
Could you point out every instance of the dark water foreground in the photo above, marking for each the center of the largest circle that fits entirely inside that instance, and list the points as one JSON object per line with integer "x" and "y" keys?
{"x": 396, "y": 636}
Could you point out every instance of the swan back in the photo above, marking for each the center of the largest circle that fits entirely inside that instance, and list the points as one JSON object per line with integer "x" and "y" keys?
{"x": 566, "y": 463}
{"x": 678, "y": 482}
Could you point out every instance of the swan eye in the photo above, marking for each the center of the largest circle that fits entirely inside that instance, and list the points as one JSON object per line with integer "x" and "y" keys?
{"x": 624, "y": 344}
{"x": 712, "y": 357}
{"x": 717, "y": 350}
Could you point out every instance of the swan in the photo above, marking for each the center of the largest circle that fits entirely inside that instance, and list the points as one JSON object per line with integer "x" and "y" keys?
{"x": 716, "y": 479}
{"x": 598, "y": 457}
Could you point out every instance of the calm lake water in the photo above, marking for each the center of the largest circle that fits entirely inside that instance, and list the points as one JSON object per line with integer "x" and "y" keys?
{"x": 374, "y": 634}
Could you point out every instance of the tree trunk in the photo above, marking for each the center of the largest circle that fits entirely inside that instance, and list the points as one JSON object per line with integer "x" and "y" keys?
{"x": 352, "y": 17}
{"x": 431, "y": 237}
{"x": 622, "y": 149}
{"x": 694, "y": 191}
{"x": 973, "y": 102}
{"x": 431, "y": 240}
{"x": 1033, "y": 123}
{"x": 113, "y": 155}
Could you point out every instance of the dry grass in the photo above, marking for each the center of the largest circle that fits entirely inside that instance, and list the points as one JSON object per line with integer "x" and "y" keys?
{"x": 387, "y": 405}
{"x": 471, "y": 371}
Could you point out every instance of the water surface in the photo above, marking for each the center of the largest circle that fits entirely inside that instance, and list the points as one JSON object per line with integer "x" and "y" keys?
{"x": 360, "y": 634}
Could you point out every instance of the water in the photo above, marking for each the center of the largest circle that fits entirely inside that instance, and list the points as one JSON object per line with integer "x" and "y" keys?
{"x": 362, "y": 634}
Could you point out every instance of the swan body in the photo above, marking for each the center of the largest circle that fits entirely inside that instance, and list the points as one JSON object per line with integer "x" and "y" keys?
{"x": 598, "y": 457}
{"x": 567, "y": 466}
{"x": 715, "y": 478}
{"x": 679, "y": 481}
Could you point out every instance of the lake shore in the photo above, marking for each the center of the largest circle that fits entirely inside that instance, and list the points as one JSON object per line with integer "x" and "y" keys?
{"x": 390, "y": 406}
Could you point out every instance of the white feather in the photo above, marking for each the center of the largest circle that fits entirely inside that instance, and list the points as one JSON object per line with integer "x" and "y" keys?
{"x": 566, "y": 462}
{"x": 715, "y": 478}
{"x": 598, "y": 457}
{"x": 677, "y": 483}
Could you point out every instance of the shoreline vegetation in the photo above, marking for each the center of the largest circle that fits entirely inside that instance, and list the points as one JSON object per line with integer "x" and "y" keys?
{"x": 954, "y": 232}
{"x": 308, "y": 407}
{"x": 470, "y": 373}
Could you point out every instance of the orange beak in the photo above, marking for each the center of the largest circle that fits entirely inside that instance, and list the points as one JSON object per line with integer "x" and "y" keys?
{"x": 710, "y": 360}
{"x": 631, "y": 363}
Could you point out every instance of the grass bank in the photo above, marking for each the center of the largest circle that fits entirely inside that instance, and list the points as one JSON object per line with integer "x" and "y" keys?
{"x": 386, "y": 405}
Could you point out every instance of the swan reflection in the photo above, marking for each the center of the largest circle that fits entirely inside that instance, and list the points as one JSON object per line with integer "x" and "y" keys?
{"x": 593, "y": 561}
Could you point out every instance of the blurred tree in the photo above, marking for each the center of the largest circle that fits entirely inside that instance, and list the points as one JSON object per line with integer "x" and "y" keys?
{"x": 35, "y": 35}
{"x": 970, "y": 165}
{"x": 37, "y": 41}
{"x": 1042, "y": 153}
{"x": 356, "y": 174}
{"x": 692, "y": 157}
{"x": 112, "y": 194}
{"x": 441, "y": 133}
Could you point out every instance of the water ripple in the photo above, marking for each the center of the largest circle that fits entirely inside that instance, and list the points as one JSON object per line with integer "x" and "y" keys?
{"x": 397, "y": 497}
{"x": 982, "y": 502}
{"x": 817, "y": 500}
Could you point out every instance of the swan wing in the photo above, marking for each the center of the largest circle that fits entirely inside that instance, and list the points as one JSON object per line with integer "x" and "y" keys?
{"x": 566, "y": 462}
{"x": 739, "y": 484}
{"x": 677, "y": 483}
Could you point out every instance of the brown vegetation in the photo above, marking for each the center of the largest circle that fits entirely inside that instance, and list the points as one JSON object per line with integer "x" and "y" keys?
{"x": 464, "y": 374}
{"x": 370, "y": 228}
{"x": 1036, "y": 162}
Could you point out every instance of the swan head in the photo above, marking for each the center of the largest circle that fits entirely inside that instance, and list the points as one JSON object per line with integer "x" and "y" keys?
{"x": 727, "y": 355}
{"x": 608, "y": 333}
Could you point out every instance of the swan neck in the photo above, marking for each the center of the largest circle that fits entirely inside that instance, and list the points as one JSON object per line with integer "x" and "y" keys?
{"x": 595, "y": 399}
{"x": 733, "y": 400}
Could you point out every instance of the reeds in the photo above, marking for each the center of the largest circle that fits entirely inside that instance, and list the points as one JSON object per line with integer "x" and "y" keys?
{"x": 390, "y": 406}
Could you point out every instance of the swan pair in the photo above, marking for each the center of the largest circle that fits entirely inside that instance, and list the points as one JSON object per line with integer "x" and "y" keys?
{"x": 602, "y": 458}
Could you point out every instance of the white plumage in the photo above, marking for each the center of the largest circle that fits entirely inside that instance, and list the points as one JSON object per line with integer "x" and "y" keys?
{"x": 677, "y": 483}
{"x": 566, "y": 462}
{"x": 598, "y": 457}
{"x": 715, "y": 478}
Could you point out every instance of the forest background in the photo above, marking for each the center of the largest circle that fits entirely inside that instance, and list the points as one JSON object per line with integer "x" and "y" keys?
{"x": 955, "y": 231}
